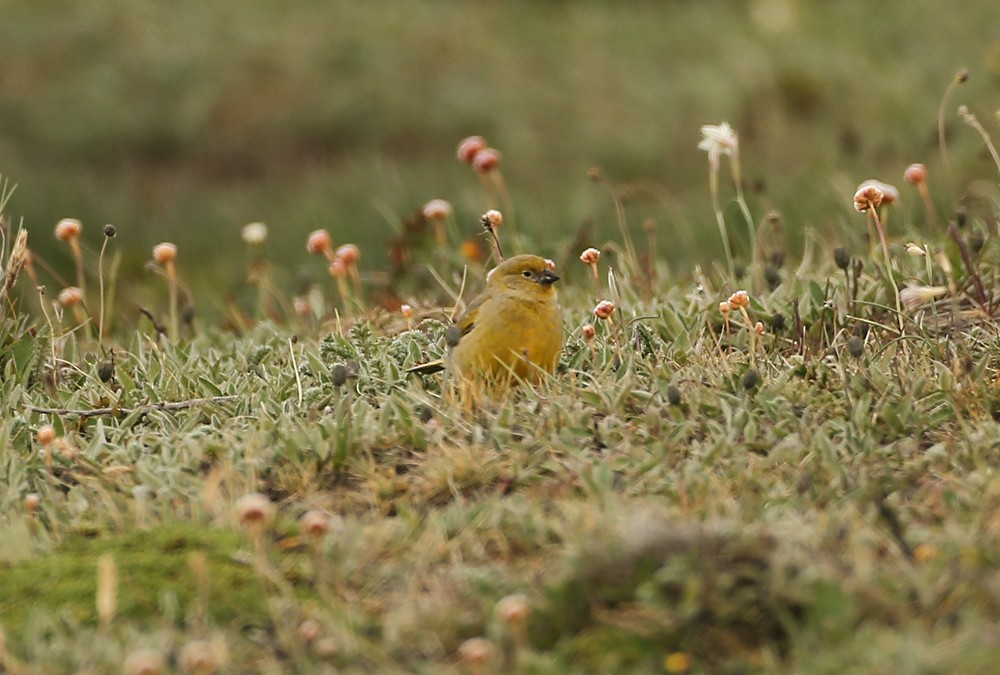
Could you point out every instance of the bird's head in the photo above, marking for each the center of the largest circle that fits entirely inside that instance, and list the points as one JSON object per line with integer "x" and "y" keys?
{"x": 526, "y": 272}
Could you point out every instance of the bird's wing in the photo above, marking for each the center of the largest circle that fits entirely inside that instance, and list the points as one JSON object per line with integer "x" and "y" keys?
{"x": 467, "y": 321}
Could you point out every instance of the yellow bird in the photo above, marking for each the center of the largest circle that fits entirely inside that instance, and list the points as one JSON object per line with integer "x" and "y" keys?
{"x": 513, "y": 328}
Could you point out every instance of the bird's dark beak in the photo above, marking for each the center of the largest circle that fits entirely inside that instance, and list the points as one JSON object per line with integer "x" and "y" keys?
{"x": 548, "y": 277}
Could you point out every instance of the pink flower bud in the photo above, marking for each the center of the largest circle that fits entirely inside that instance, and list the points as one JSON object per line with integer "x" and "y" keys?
{"x": 319, "y": 242}
{"x": 164, "y": 253}
{"x": 486, "y": 160}
{"x": 915, "y": 174}
{"x": 68, "y": 229}
{"x": 604, "y": 309}
{"x": 469, "y": 147}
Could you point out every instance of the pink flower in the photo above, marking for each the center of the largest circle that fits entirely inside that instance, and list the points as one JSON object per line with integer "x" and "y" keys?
{"x": 604, "y": 309}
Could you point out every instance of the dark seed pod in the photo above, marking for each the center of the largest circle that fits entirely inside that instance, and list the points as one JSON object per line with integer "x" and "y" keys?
{"x": 109, "y": 231}
{"x": 673, "y": 395}
{"x": 339, "y": 374}
{"x": 106, "y": 370}
{"x": 855, "y": 346}
{"x": 841, "y": 257}
{"x": 452, "y": 336}
{"x": 750, "y": 379}
{"x": 777, "y": 322}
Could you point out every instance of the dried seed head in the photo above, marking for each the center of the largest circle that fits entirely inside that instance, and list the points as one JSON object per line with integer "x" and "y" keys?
{"x": 889, "y": 192}
{"x": 110, "y": 231}
{"x": 254, "y": 509}
{"x": 315, "y": 523}
{"x": 165, "y": 253}
{"x": 590, "y": 256}
{"x": 866, "y": 197}
{"x": 588, "y": 332}
{"x": 915, "y": 174}
{"x": 350, "y": 254}
{"x": 68, "y": 229}
{"x": 436, "y": 209}
{"x": 739, "y": 299}
{"x": 486, "y": 160}
{"x": 144, "y": 662}
{"x": 319, "y": 242}
{"x": 469, "y": 148}
{"x": 45, "y": 434}
{"x": 492, "y": 218}
{"x": 254, "y": 234}
{"x": 604, "y": 309}
{"x": 70, "y": 297}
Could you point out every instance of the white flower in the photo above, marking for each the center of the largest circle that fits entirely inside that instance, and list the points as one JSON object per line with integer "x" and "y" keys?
{"x": 255, "y": 233}
{"x": 718, "y": 140}
{"x": 915, "y": 250}
{"x": 913, "y": 297}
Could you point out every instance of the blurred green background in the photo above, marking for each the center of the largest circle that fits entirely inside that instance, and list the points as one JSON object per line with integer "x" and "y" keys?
{"x": 184, "y": 120}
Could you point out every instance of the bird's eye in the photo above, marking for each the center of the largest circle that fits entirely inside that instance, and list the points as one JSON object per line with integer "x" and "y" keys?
{"x": 526, "y": 273}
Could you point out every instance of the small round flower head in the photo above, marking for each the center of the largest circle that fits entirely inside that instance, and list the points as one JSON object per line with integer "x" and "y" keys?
{"x": 588, "y": 331}
{"x": 350, "y": 254}
{"x": 469, "y": 148}
{"x": 254, "y": 509}
{"x": 436, "y": 209}
{"x": 915, "y": 250}
{"x": 867, "y": 196}
{"x": 514, "y": 609}
{"x": 302, "y": 308}
{"x": 739, "y": 299}
{"x": 889, "y": 192}
{"x": 319, "y": 242}
{"x": 45, "y": 434}
{"x": 604, "y": 309}
{"x": 550, "y": 263}
{"x": 110, "y": 231}
{"x": 724, "y": 307}
{"x": 310, "y": 631}
{"x": 68, "y": 229}
{"x": 70, "y": 296}
{"x": 486, "y": 160}
{"x": 406, "y": 311}
{"x": 915, "y": 174}
{"x": 590, "y": 256}
{"x": 477, "y": 652}
{"x": 144, "y": 662}
{"x": 165, "y": 253}
{"x": 842, "y": 257}
{"x": 758, "y": 328}
{"x": 198, "y": 657}
{"x": 493, "y": 218}
{"x": 32, "y": 501}
{"x": 315, "y": 523}
{"x": 338, "y": 270}
{"x": 254, "y": 234}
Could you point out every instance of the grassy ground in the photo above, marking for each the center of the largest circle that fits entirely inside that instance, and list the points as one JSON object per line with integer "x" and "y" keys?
{"x": 262, "y": 488}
